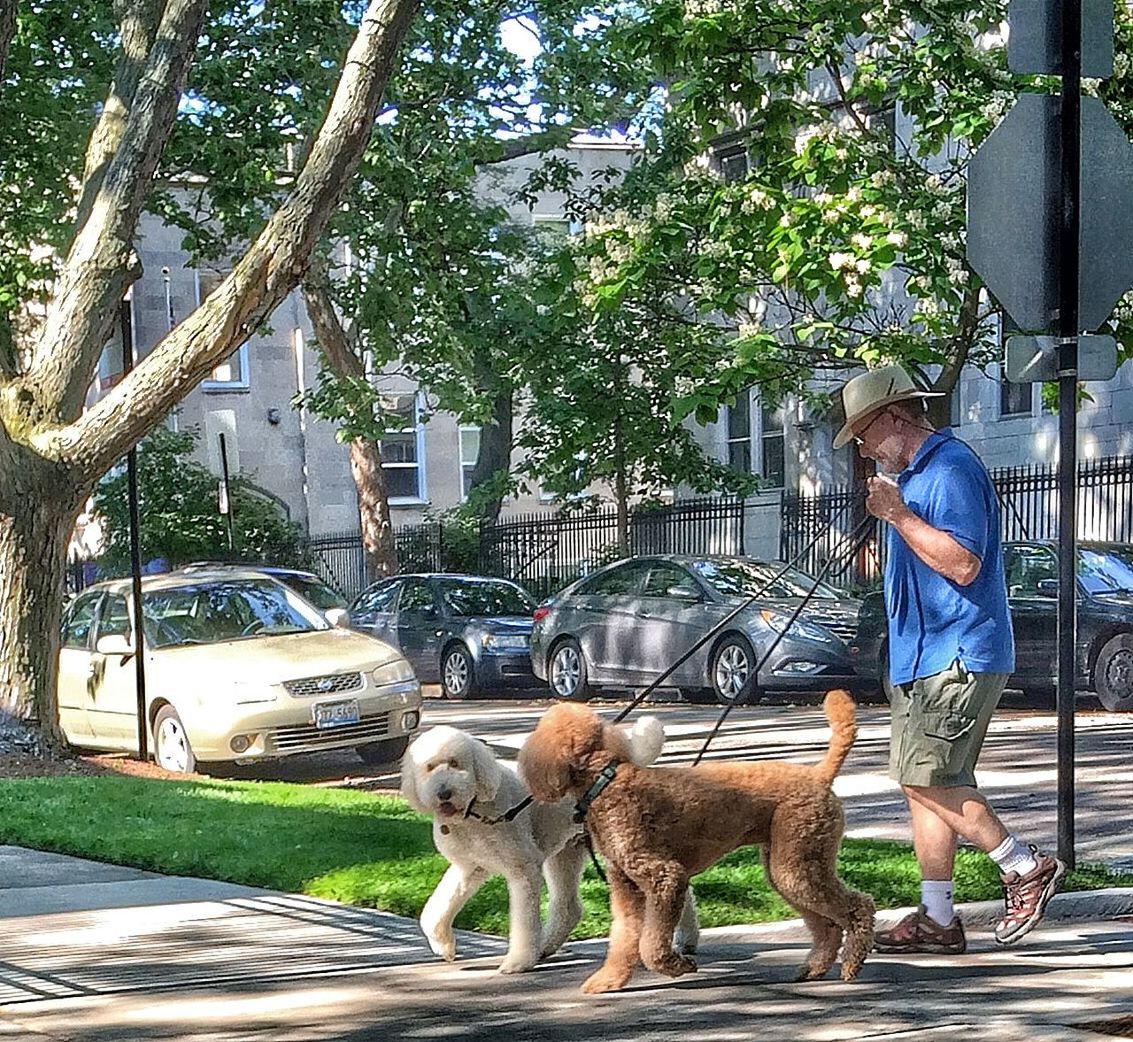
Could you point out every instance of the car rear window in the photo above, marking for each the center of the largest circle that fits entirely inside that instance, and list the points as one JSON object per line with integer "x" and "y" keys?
{"x": 485, "y": 598}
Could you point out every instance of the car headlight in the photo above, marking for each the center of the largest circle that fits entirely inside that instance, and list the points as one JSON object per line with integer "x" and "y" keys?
{"x": 505, "y": 641}
{"x": 778, "y": 622}
{"x": 396, "y": 672}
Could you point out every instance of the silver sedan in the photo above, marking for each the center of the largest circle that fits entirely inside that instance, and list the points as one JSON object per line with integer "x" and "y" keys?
{"x": 626, "y": 624}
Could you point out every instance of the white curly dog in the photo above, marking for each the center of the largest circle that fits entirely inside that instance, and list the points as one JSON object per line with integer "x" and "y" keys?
{"x": 446, "y": 771}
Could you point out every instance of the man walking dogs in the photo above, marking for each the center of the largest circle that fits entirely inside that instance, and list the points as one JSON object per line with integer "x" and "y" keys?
{"x": 951, "y": 650}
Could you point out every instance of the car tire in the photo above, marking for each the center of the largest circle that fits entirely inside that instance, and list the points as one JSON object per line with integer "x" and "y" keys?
{"x": 458, "y": 673}
{"x": 566, "y": 672}
{"x": 732, "y": 663}
{"x": 171, "y": 748}
{"x": 389, "y": 751}
{"x": 1113, "y": 674}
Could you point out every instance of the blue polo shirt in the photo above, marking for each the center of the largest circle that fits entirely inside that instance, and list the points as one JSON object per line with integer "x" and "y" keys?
{"x": 932, "y": 620}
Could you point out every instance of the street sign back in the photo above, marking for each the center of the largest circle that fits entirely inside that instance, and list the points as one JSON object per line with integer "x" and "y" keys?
{"x": 1035, "y": 43}
{"x": 1033, "y": 359}
{"x": 1013, "y": 213}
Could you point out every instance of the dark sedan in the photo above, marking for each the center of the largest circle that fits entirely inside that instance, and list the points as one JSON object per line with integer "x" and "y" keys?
{"x": 624, "y": 625}
{"x": 1104, "y": 646}
{"x": 470, "y": 634}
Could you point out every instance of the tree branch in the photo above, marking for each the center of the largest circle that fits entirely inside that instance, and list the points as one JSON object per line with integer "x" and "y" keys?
{"x": 7, "y": 30}
{"x": 96, "y": 273}
{"x": 270, "y": 269}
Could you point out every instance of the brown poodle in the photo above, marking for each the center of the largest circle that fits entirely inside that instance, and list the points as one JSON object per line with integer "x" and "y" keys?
{"x": 658, "y": 826}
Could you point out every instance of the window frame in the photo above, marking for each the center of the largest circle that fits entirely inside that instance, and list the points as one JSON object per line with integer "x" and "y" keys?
{"x": 466, "y": 467}
{"x": 213, "y": 383}
{"x": 418, "y": 429}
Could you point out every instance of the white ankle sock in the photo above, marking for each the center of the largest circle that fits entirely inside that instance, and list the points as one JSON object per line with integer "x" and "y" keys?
{"x": 1013, "y": 856}
{"x": 936, "y": 896}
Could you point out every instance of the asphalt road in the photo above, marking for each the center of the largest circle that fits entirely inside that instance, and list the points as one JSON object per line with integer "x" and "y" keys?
{"x": 1018, "y": 770}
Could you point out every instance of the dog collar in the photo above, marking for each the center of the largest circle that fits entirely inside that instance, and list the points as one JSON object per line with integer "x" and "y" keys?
{"x": 600, "y": 784}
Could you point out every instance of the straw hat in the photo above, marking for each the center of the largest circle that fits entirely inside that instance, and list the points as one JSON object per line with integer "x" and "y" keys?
{"x": 874, "y": 390}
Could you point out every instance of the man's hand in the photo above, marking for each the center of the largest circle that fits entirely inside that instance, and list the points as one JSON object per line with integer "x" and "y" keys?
{"x": 884, "y": 499}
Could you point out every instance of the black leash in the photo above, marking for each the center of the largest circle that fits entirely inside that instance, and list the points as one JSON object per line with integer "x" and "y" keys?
{"x": 859, "y": 536}
{"x": 715, "y": 630}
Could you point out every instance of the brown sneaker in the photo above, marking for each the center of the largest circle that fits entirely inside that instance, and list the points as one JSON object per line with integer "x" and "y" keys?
{"x": 918, "y": 933}
{"x": 1025, "y": 897}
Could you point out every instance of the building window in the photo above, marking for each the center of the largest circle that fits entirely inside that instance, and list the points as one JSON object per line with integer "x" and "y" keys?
{"x": 553, "y": 230}
{"x": 1015, "y": 399}
{"x": 757, "y": 449}
{"x": 469, "y": 451}
{"x": 403, "y": 452}
{"x": 739, "y": 433}
{"x": 772, "y": 454}
{"x": 733, "y": 163}
{"x": 955, "y": 406}
{"x": 232, "y": 373}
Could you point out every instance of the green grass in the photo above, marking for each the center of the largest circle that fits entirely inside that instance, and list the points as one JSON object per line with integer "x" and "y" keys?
{"x": 374, "y": 851}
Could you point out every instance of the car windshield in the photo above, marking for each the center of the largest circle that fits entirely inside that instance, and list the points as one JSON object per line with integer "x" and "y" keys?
{"x": 1102, "y": 573}
{"x": 218, "y": 611}
{"x": 746, "y": 578}
{"x": 315, "y": 590}
{"x": 485, "y": 598}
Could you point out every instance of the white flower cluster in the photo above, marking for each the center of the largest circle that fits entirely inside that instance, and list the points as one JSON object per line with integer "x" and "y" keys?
{"x": 700, "y": 8}
{"x": 684, "y": 386}
{"x": 755, "y": 199}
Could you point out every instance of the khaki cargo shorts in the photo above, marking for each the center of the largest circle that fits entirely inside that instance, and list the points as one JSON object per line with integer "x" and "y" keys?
{"x": 939, "y": 724}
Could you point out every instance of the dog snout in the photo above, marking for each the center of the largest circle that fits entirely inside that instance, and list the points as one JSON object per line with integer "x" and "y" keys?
{"x": 444, "y": 795}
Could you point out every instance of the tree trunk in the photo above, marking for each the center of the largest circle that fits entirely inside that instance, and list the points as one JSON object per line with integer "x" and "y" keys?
{"x": 495, "y": 453}
{"x": 373, "y": 508}
{"x": 7, "y": 30}
{"x": 34, "y": 531}
{"x": 621, "y": 497}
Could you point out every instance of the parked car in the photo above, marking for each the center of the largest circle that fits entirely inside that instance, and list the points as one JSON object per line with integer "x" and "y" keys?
{"x": 238, "y": 667}
{"x": 319, "y": 592}
{"x": 624, "y": 625}
{"x": 1104, "y": 643}
{"x": 468, "y": 633}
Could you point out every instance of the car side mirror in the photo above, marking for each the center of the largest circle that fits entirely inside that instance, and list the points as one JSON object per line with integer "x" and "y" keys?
{"x": 682, "y": 593}
{"x": 339, "y": 617}
{"x": 114, "y": 644}
{"x": 1047, "y": 588}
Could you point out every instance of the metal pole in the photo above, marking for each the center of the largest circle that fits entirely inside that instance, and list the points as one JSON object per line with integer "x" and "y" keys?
{"x": 126, "y": 327}
{"x": 1069, "y": 246}
{"x": 227, "y": 495}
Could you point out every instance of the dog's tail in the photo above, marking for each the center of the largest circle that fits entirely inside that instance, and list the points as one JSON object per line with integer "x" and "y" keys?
{"x": 839, "y": 706}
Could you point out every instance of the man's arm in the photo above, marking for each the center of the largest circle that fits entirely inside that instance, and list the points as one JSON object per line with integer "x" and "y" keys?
{"x": 939, "y": 550}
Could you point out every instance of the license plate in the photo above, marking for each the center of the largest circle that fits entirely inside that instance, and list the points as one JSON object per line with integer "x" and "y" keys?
{"x": 336, "y": 714}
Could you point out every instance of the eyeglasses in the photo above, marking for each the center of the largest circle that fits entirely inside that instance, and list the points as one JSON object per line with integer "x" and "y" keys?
{"x": 859, "y": 438}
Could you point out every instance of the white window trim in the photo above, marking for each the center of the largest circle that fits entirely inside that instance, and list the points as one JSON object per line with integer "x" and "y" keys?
{"x": 574, "y": 227}
{"x": 104, "y": 372}
{"x": 1034, "y": 411}
{"x": 225, "y": 385}
{"x": 422, "y": 497}
{"x": 462, "y": 429}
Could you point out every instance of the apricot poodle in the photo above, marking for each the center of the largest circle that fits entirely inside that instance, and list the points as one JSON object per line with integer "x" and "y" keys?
{"x": 659, "y": 826}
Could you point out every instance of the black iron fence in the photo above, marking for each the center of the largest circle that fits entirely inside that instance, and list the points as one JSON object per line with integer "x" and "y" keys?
{"x": 1028, "y": 499}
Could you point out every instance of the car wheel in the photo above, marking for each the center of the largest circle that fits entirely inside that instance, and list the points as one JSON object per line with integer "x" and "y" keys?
{"x": 567, "y": 672}
{"x": 390, "y": 751}
{"x": 171, "y": 748}
{"x": 458, "y": 677}
{"x": 1113, "y": 674}
{"x": 732, "y": 663}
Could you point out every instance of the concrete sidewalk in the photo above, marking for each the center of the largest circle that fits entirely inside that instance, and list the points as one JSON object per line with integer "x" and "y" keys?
{"x": 98, "y": 952}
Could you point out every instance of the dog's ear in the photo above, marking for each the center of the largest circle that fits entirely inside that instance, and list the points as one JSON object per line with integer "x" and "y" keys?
{"x": 486, "y": 770}
{"x": 544, "y": 763}
{"x": 645, "y": 739}
{"x": 409, "y": 770}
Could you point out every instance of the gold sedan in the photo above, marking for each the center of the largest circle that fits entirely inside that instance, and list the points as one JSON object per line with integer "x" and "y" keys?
{"x": 238, "y": 668}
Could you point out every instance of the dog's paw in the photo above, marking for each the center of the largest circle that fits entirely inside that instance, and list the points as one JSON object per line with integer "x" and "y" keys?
{"x": 672, "y": 965}
{"x": 809, "y": 972}
{"x": 605, "y": 980}
{"x": 442, "y": 945}
{"x": 517, "y": 964}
